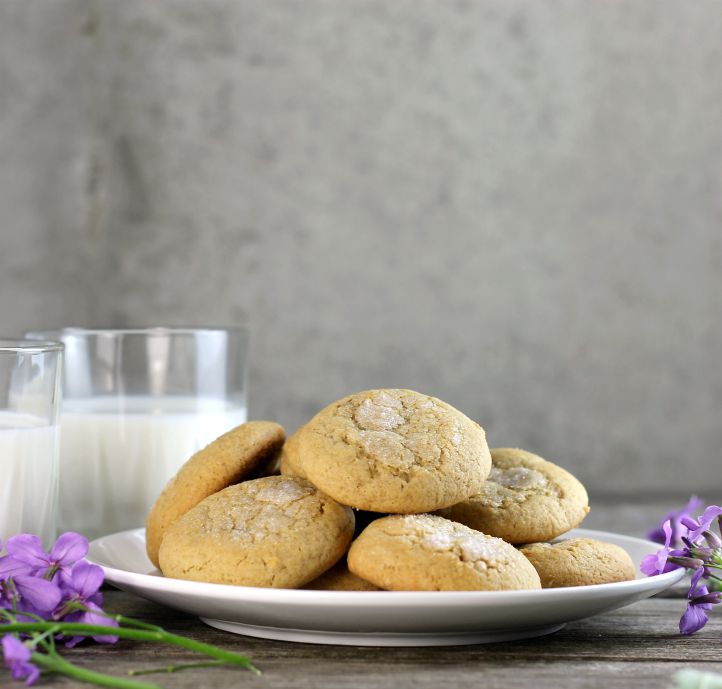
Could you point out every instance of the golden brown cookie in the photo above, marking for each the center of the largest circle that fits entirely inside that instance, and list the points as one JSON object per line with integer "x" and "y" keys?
{"x": 228, "y": 459}
{"x": 525, "y": 499}
{"x": 579, "y": 562}
{"x": 289, "y": 464}
{"x": 339, "y": 578}
{"x": 423, "y": 552}
{"x": 394, "y": 451}
{"x": 277, "y": 531}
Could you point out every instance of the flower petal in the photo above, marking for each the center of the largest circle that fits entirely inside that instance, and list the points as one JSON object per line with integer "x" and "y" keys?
{"x": 656, "y": 535}
{"x": 679, "y": 530}
{"x": 693, "y": 505}
{"x": 86, "y": 579}
{"x": 667, "y": 529}
{"x": 17, "y": 656}
{"x": 39, "y": 593}
{"x": 688, "y": 522}
{"x": 14, "y": 650}
{"x": 69, "y": 548}
{"x": 662, "y": 559}
{"x": 705, "y": 519}
{"x": 96, "y": 616}
{"x": 693, "y": 620}
{"x": 33, "y": 672}
{"x": 696, "y": 576}
{"x": 10, "y": 567}
{"x": 28, "y": 548}
{"x": 649, "y": 565}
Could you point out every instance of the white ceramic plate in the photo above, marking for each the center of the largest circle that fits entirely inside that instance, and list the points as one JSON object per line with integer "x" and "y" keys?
{"x": 376, "y": 618}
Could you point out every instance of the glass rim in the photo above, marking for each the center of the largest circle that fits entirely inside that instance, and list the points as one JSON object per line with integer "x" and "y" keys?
{"x": 21, "y": 345}
{"x": 138, "y": 330}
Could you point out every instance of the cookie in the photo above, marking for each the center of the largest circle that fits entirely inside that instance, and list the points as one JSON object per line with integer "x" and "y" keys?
{"x": 277, "y": 531}
{"x": 424, "y": 552}
{"x": 579, "y": 562}
{"x": 394, "y": 451}
{"x": 339, "y": 578}
{"x": 228, "y": 459}
{"x": 525, "y": 499}
{"x": 289, "y": 462}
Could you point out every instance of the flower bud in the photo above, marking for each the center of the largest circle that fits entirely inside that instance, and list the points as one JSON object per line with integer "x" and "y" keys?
{"x": 711, "y": 598}
{"x": 688, "y": 562}
{"x": 713, "y": 540}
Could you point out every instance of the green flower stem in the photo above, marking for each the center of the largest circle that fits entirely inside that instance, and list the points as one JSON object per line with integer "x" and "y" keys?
{"x": 175, "y": 668}
{"x": 138, "y": 624}
{"x": 160, "y": 635}
{"x": 40, "y": 639}
{"x": 55, "y": 663}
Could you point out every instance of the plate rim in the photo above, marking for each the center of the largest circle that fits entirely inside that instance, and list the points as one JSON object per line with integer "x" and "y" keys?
{"x": 128, "y": 577}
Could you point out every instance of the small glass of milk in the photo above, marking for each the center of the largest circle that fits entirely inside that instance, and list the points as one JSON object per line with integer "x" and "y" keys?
{"x": 137, "y": 404}
{"x": 30, "y": 395}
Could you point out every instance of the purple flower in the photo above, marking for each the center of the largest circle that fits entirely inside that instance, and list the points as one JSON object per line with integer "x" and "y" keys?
{"x": 702, "y": 553}
{"x": 94, "y": 615}
{"x": 694, "y": 617}
{"x": 29, "y": 594}
{"x": 84, "y": 583}
{"x": 31, "y": 580}
{"x": 67, "y": 550}
{"x": 659, "y": 563}
{"x": 675, "y": 518}
{"x": 699, "y": 601}
{"x": 83, "y": 589}
{"x": 703, "y": 522}
{"x": 17, "y": 658}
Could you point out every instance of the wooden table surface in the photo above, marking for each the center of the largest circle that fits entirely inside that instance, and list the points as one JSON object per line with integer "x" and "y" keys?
{"x": 637, "y": 646}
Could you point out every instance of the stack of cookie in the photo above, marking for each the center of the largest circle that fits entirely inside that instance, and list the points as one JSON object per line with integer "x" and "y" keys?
{"x": 439, "y": 511}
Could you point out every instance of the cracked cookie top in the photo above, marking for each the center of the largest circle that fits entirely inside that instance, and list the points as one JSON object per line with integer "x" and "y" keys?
{"x": 423, "y": 552}
{"x": 525, "y": 499}
{"x": 276, "y": 531}
{"x": 394, "y": 450}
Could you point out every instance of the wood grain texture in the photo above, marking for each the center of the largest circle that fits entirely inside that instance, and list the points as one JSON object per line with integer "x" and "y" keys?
{"x": 637, "y": 646}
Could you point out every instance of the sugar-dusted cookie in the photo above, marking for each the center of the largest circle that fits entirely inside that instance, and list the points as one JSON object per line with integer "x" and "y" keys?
{"x": 229, "y": 459}
{"x": 289, "y": 463}
{"x": 579, "y": 561}
{"x": 525, "y": 499}
{"x": 277, "y": 531}
{"x": 423, "y": 552}
{"x": 394, "y": 451}
{"x": 339, "y": 578}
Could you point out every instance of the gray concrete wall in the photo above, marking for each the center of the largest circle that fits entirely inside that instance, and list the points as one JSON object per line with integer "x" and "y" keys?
{"x": 512, "y": 204}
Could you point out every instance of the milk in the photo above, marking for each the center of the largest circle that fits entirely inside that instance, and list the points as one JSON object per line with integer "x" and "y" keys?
{"x": 117, "y": 454}
{"x": 28, "y": 476}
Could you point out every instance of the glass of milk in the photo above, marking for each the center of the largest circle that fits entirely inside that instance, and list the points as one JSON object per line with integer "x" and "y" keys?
{"x": 137, "y": 404}
{"x": 30, "y": 394}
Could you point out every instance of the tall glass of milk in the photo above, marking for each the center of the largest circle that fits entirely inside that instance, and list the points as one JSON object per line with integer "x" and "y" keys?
{"x": 137, "y": 404}
{"x": 30, "y": 394}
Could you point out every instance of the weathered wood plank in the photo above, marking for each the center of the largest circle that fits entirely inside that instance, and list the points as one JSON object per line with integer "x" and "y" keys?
{"x": 638, "y": 645}
{"x": 541, "y": 675}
